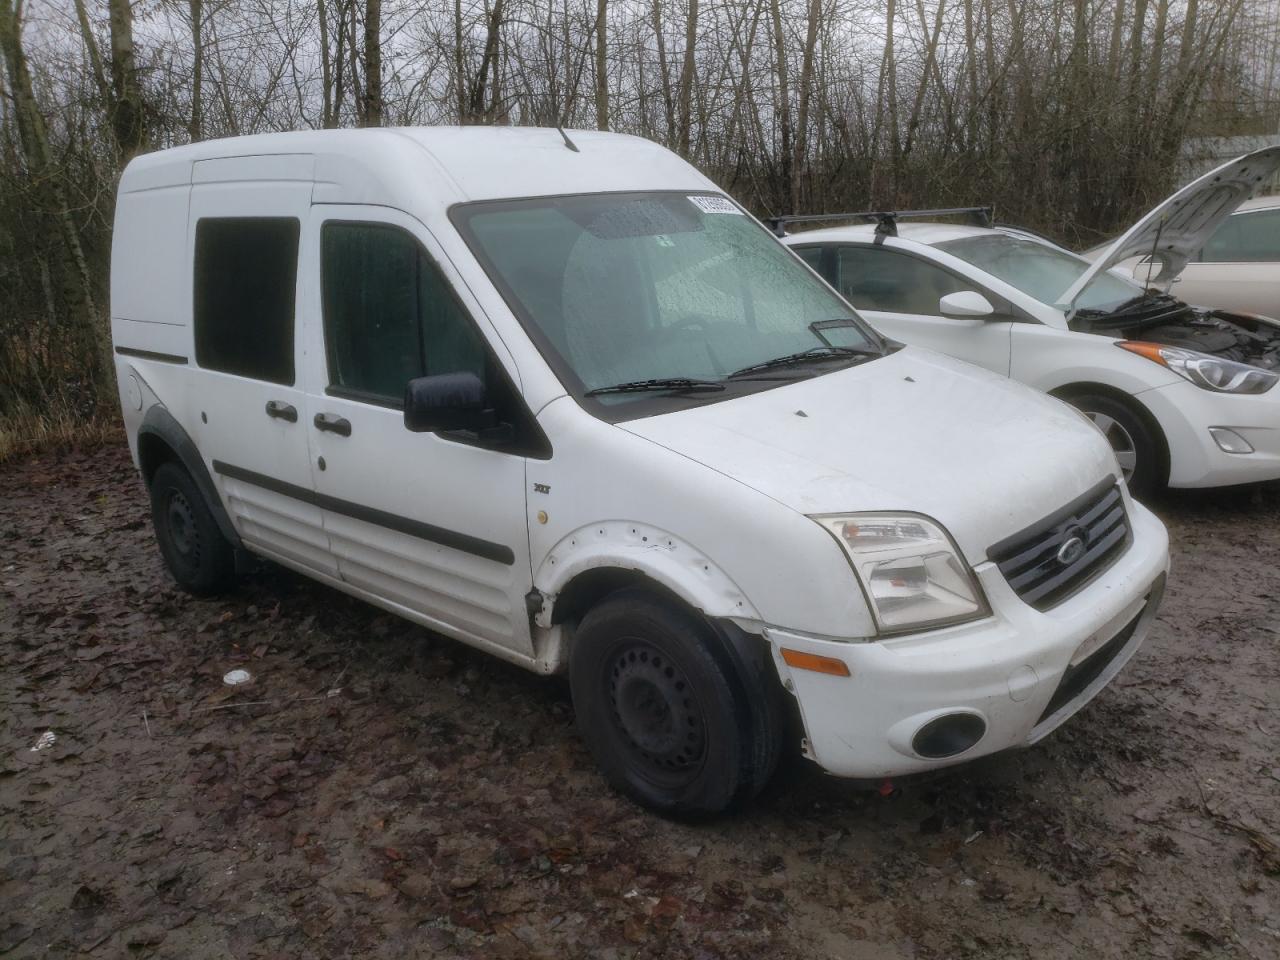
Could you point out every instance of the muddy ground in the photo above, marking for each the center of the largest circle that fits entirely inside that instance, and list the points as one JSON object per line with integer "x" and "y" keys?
{"x": 382, "y": 792}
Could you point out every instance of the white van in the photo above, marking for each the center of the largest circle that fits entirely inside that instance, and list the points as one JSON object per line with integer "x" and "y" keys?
{"x": 558, "y": 397}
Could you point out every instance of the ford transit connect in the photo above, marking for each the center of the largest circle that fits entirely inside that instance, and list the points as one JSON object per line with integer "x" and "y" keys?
{"x": 558, "y": 397}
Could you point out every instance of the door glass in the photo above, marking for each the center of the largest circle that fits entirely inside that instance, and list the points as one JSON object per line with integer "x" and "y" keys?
{"x": 877, "y": 279}
{"x": 245, "y": 277}
{"x": 810, "y": 255}
{"x": 1246, "y": 238}
{"x": 389, "y": 315}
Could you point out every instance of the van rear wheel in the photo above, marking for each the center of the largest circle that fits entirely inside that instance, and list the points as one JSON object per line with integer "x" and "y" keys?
{"x": 676, "y": 719}
{"x": 194, "y": 549}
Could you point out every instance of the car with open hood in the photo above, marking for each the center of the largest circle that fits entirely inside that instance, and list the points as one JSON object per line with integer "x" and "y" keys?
{"x": 1184, "y": 394}
{"x": 1237, "y": 269}
{"x": 555, "y": 395}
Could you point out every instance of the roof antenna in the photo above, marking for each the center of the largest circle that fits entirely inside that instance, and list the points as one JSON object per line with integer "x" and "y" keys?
{"x": 567, "y": 142}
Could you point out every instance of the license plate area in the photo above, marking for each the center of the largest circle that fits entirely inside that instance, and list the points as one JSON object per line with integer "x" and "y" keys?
{"x": 1113, "y": 626}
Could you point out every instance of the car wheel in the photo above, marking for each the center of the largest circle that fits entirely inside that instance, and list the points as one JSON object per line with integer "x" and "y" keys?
{"x": 1132, "y": 441}
{"x": 194, "y": 549}
{"x": 674, "y": 716}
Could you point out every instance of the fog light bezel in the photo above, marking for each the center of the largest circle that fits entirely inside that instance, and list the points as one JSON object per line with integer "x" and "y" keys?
{"x": 935, "y": 727}
{"x": 1231, "y": 434}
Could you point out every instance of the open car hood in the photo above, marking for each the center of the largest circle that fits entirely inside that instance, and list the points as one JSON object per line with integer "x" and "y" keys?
{"x": 1180, "y": 226}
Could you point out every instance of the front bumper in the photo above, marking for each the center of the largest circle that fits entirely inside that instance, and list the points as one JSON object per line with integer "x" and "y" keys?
{"x": 1185, "y": 413}
{"x": 1021, "y": 671}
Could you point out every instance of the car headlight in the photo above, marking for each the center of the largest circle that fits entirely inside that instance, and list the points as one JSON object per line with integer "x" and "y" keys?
{"x": 911, "y": 572}
{"x": 1208, "y": 372}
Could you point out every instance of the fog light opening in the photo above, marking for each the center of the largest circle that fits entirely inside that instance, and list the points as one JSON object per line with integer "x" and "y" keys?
{"x": 948, "y": 735}
{"x": 1229, "y": 441}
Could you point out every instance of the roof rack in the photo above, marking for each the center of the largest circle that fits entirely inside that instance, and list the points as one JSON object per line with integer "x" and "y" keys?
{"x": 886, "y": 221}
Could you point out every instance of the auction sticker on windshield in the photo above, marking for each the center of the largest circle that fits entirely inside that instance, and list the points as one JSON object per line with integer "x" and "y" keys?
{"x": 715, "y": 205}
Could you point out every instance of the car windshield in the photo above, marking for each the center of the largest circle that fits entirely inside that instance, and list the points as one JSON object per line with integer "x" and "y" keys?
{"x": 626, "y": 289}
{"x": 1041, "y": 271}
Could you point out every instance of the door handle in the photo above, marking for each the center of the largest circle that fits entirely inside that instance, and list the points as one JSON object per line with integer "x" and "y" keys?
{"x": 282, "y": 411}
{"x": 332, "y": 423}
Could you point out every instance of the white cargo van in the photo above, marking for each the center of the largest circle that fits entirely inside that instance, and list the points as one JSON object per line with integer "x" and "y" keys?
{"x": 558, "y": 397}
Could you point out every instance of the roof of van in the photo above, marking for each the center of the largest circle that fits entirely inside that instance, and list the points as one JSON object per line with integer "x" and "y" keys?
{"x": 393, "y": 164}
{"x": 929, "y": 233}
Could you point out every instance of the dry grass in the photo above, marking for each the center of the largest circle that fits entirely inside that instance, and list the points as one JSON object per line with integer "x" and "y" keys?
{"x": 27, "y": 430}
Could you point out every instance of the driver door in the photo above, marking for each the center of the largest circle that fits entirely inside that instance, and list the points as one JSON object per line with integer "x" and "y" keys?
{"x": 899, "y": 293}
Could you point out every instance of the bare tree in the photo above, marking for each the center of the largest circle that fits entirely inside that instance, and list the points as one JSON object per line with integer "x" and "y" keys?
{"x": 602, "y": 65}
{"x": 373, "y": 63}
{"x": 127, "y": 113}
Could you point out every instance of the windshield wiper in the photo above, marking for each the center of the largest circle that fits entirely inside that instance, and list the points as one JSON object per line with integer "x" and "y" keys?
{"x": 825, "y": 352}
{"x": 680, "y": 384}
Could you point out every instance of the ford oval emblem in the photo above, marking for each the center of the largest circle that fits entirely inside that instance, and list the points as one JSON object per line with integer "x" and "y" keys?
{"x": 1072, "y": 549}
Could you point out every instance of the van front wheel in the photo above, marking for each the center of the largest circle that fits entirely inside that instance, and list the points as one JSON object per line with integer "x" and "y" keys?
{"x": 194, "y": 549}
{"x": 675, "y": 718}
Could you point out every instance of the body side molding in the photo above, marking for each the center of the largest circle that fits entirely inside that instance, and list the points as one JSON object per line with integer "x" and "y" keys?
{"x": 151, "y": 355}
{"x": 499, "y": 553}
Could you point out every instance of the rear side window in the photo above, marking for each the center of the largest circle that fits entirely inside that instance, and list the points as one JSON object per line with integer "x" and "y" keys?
{"x": 875, "y": 279}
{"x": 245, "y": 278}
{"x": 1245, "y": 238}
{"x": 389, "y": 315}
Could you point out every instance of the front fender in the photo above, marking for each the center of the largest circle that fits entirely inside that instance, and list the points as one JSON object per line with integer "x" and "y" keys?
{"x": 662, "y": 556}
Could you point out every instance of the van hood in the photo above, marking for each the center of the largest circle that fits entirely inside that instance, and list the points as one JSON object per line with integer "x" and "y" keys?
{"x": 1178, "y": 228}
{"x": 914, "y": 431}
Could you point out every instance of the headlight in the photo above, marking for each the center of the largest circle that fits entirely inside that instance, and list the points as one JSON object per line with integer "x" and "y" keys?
{"x": 1211, "y": 373}
{"x": 911, "y": 572}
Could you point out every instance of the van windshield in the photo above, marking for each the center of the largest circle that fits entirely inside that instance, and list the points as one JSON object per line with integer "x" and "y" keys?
{"x": 626, "y": 289}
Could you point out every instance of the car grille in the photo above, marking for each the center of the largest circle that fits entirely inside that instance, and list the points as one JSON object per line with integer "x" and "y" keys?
{"x": 1040, "y": 566}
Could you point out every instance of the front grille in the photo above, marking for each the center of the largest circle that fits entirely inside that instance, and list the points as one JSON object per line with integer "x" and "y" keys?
{"x": 1041, "y": 566}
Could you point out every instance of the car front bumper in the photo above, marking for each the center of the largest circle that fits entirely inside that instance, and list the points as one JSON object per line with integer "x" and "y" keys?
{"x": 1186, "y": 412}
{"x": 1021, "y": 671}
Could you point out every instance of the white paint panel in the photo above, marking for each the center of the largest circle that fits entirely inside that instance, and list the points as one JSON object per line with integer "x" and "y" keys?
{"x": 280, "y": 166}
{"x": 149, "y": 273}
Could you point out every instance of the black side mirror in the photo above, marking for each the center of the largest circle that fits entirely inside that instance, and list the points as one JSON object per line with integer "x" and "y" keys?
{"x": 447, "y": 401}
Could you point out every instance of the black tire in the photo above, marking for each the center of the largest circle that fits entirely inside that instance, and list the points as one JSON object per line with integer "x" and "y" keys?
{"x": 194, "y": 549}
{"x": 677, "y": 716}
{"x": 1137, "y": 447}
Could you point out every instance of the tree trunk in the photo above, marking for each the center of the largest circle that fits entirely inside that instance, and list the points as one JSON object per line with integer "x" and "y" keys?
{"x": 195, "y": 127}
{"x": 602, "y": 62}
{"x": 784, "y": 104}
{"x": 327, "y": 118}
{"x": 373, "y": 63}
{"x": 95, "y": 56}
{"x": 664, "y": 70}
{"x": 931, "y": 53}
{"x": 802, "y": 110}
{"x": 128, "y": 121}
{"x": 459, "y": 63}
{"x": 686, "y": 79}
{"x": 478, "y": 90}
{"x": 74, "y": 279}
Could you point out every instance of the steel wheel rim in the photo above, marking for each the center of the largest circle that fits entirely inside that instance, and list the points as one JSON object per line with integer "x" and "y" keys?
{"x": 183, "y": 531}
{"x": 1121, "y": 440}
{"x": 655, "y": 713}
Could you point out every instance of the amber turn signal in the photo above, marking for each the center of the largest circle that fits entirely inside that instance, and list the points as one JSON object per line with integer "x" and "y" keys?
{"x": 811, "y": 661}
